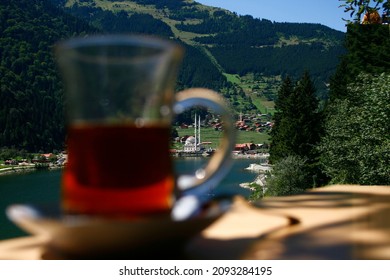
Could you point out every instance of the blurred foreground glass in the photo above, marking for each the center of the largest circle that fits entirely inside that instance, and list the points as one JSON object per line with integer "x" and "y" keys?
{"x": 120, "y": 102}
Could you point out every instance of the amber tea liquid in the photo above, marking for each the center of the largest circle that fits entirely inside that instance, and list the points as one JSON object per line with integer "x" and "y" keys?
{"x": 118, "y": 170}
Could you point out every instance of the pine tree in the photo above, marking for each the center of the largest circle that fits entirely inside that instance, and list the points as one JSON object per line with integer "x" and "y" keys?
{"x": 297, "y": 121}
{"x": 305, "y": 119}
{"x": 279, "y": 148}
{"x": 298, "y": 126}
{"x": 338, "y": 82}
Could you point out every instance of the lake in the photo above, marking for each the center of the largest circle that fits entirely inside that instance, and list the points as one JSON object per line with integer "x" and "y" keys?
{"x": 42, "y": 187}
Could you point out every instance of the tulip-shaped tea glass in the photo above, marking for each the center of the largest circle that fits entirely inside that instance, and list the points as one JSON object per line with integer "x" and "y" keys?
{"x": 120, "y": 102}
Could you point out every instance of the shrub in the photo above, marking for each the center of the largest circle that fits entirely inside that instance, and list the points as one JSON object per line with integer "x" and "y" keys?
{"x": 289, "y": 176}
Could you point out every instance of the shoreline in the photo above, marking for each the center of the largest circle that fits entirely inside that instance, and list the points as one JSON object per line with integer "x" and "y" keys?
{"x": 24, "y": 169}
{"x": 263, "y": 156}
{"x": 32, "y": 167}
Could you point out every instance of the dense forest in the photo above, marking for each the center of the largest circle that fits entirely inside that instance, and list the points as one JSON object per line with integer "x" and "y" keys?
{"x": 31, "y": 95}
{"x": 196, "y": 71}
{"x": 348, "y": 140}
{"x": 236, "y": 44}
{"x": 31, "y": 116}
{"x": 267, "y": 60}
{"x": 355, "y": 146}
{"x": 121, "y": 22}
{"x": 246, "y": 45}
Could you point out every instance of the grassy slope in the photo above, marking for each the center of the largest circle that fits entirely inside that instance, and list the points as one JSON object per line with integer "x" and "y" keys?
{"x": 260, "y": 102}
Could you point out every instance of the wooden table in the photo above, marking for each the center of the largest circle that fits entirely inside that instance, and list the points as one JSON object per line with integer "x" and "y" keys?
{"x": 330, "y": 223}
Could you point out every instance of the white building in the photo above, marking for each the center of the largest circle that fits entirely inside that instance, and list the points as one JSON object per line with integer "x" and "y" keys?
{"x": 192, "y": 143}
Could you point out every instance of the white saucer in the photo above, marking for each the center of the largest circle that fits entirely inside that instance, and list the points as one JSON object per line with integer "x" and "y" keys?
{"x": 81, "y": 237}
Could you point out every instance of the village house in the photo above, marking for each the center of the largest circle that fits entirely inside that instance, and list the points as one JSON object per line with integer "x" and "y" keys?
{"x": 245, "y": 148}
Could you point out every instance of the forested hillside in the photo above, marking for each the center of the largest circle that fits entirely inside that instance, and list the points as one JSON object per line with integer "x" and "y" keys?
{"x": 31, "y": 115}
{"x": 247, "y": 45}
{"x": 218, "y": 44}
{"x": 31, "y": 95}
{"x": 234, "y": 44}
{"x": 197, "y": 70}
{"x": 242, "y": 57}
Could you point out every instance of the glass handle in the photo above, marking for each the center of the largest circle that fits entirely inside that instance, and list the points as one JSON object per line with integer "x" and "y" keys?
{"x": 220, "y": 162}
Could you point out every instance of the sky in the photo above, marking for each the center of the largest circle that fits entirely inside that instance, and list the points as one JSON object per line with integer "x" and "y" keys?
{"x": 326, "y": 12}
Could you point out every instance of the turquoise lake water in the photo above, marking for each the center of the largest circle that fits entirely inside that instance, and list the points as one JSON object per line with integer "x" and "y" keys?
{"x": 43, "y": 187}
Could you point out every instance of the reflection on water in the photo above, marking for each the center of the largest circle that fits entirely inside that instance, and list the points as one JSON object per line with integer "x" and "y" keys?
{"x": 230, "y": 184}
{"x": 43, "y": 187}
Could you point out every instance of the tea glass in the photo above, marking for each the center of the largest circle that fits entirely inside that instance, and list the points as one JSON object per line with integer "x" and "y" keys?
{"x": 120, "y": 102}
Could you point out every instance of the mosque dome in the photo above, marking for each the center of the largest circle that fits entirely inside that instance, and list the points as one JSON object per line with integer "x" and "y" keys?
{"x": 190, "y": 140}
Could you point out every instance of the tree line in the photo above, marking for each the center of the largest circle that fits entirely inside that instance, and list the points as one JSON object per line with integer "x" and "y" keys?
{"x": 196, "y": 70}
{"x": 31, "y": 92}
{"x": 355, "y": 147}
{"x": 243, "y": 44}
{"x": 290, "y": 60}
{"x": 347, "y": 141}
{"x": 31, "y": 96}
{"x": 221, "y": 27}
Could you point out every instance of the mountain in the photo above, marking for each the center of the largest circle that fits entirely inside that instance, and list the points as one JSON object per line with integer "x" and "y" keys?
{"x": 242, "y": 57}
{"x": 31, "y": 116}
{"x": 234, "y": 44}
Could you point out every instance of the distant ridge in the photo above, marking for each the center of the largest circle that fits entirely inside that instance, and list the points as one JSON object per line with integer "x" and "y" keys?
{"x": 241, "y": 57}
{"x": 234, "y": 44}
